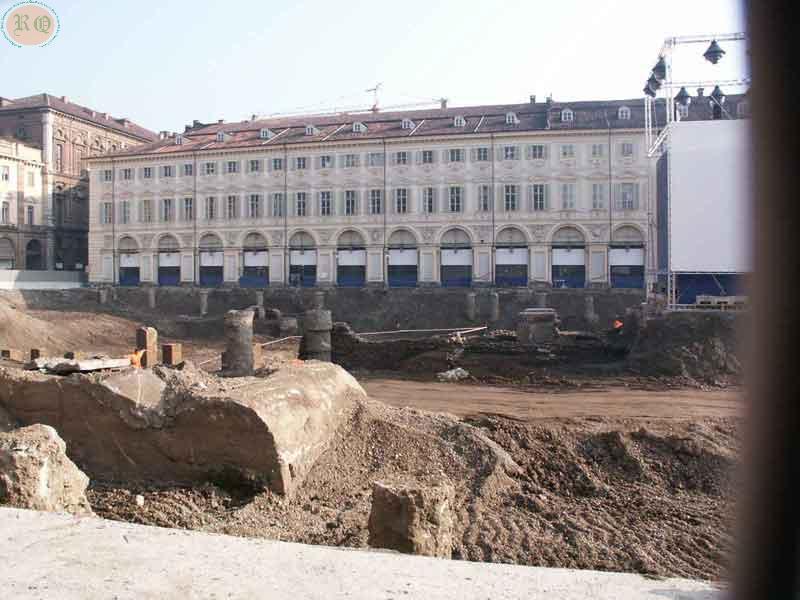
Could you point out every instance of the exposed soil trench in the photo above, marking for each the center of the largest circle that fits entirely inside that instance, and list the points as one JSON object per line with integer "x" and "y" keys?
{"x": 624, "y": 475}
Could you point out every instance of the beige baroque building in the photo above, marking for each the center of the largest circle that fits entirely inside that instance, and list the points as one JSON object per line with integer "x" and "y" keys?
{"x": 21, "y": 193}
{"x": 65, "y": 135}
{"x": 541, "y": 194}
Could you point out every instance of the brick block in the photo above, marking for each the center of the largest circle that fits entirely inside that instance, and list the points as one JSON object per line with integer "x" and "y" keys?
{"x": 172, "y": 354}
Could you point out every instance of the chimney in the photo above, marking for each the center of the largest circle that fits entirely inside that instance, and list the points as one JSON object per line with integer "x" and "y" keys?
{"x": 126, "y": 123}
{"x": 162, "y": 135}
{"x": 187, "y": 128}
{"x": 700, "y": 92}
{"x": 6, "y": 101}
{"x": 443, "y": 103}
{"x": 221, "y": 121}
{"x": 549, "y": 99}
{"x": 195, "y": 123}
{"x": 254, "y": 117}
{"x": 65, "y": 99}
{"x": 533, "y": 98}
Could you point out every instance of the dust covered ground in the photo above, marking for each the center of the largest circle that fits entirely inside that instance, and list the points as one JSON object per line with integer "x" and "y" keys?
{"x": 624, "y": 474}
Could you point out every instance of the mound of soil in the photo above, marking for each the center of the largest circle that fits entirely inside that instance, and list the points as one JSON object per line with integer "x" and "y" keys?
{"x": 698, "y": 345}
{"x": 593, "y": 494}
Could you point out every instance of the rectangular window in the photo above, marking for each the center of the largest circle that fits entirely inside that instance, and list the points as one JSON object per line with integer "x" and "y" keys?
{"x": 567, "y": 151}
{"x": 166, "y": 171}
{"x": 429, "y": 200}
{"x": 484, "y": 198}
{"x": 300, "y": 163}
{"x": 456, "y": 155}
{"x": 211, "y": 168}
{"x": 539, "y": 197}
{"x": 598, "y": 196}
{"x": 188, "y": 169}
{"x": 232, "y": 166}
{"x": 188, "y": 209}
{"x": 628, "y": 196}
{"x": 166, "y": 210}
{"x": 350, "y": 207}
{"x": 211, "y": 208}
{"x": 375, "y": 159}
{"x": 254, "y": 206}
{"x": 277, "y": 164}
{"x": 325, "y": 161}
{"x": 31, "y": 178}
{"x": 300, "y": 204}
{"x": 598, "y": 150}
{"x": 29, "y": 215}
{"x": 125, "y": 212}
{"x": 350, "y": 161}
{"x": 455, "y": 199}
{"x": 537, "y": 152}
{"x": 5, "y": 213}
{"x": 401, "y": 201}
{"x": 401, "y": 158}
{"x": 482, "y": 155}
{"x": 568, "y": 196}
{"x": 231, "y": 207}
{"x": 127, "y": 174}
{"x": 255, "y": 166}
{"x": 147, "y": 172}
{"x": 108, "y": 175}
{"x": 427, "y": 157}
{"x": 627, "y": 149}
{"x": 325, "y": 204}
{"x": 106, "y": 215}
{"x": 510, "y": 198}
{"x": 510, "y": 153}
{"x": 375, "y": 202}
{"x": 147, "y": 211}
{"x": 277, "y": 204}
{"x": 59, "y": 157}
{"x": 5, "y": 173}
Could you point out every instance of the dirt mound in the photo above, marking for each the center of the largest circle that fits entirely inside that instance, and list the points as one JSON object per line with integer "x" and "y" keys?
{"x": 571, "y": 493}
{"x": 697, "y": 345}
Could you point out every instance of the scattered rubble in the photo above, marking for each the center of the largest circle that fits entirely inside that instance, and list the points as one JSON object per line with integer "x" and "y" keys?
{"x": 35, "y": 472}
{"x": 457, "y": 374}
{"x": 6, "y": 422}
{"x": 414, "y": 518}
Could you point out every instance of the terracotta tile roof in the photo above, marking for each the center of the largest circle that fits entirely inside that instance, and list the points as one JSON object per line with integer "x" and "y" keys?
{"x": 120, "y": 125}
{"x": 543, "y": 116}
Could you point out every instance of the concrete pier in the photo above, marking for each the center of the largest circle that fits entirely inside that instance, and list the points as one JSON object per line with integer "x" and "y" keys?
{"x": 238, "y": 360}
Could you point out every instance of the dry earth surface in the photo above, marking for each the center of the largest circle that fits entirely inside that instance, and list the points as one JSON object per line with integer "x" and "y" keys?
{"x": 627, "y": 476}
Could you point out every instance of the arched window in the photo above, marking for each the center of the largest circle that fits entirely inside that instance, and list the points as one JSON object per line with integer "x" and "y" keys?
{"x": 569, "y": 236}
{"x": 511, "y": 236}
{"x": 624, "y": 113}
{"x": 350, "y": 239}
{"x": 167, "y": 243}
{"x": 402, "y": 238}
{"x": 254, "y": 241}
{"x": 128, "y": 244}
{"x": 210, "y": 242}
{"x": 567, "y": 116}
{"x": 301, "y": 240}
{"x": 456, "y": 237}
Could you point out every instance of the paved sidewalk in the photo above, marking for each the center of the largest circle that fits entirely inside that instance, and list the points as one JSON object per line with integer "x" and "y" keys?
{"x": 45, "y": 556}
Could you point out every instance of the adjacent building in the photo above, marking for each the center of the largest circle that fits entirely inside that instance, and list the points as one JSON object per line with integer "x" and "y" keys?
{"x": 65, "y": 135}
{"x": 535, "y": 194}
{"x": 22, "y": 238}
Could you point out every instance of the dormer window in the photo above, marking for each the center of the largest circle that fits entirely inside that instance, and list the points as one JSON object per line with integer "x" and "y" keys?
{"x": 459, "y": 121}
{"x": 265, "y": 134}
{"x": 624, "y": 113}
{"x": 311, "y": 130}
{"x": 567, "y": 116}
{"x": 511, "y": 118}
{"x": 221, "y": 136}
{"x": 407, "y": 124}
{"x": 178, "y": 140}
{"x": 359, "y": 127}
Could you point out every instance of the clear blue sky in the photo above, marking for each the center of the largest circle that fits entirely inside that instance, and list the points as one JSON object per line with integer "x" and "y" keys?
{"x": 165, "y": 63}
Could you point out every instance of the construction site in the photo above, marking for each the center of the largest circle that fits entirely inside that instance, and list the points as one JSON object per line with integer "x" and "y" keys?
{"x": 601, "y": 436}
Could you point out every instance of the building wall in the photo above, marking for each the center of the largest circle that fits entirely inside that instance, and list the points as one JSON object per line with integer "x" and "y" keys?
{"x": 65, "y": 142}
{"x": 21, "y": 190}
{"x": 537, "y": 227}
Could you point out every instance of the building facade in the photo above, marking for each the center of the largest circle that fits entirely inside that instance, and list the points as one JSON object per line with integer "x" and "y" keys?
{"x": 534, "y": 194}
{"x": 22, "y": 239}
{"x": 66, "y": 134}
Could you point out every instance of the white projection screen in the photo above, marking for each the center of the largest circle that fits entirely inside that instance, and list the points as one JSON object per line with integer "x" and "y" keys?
{"x": 710, "y": 196}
